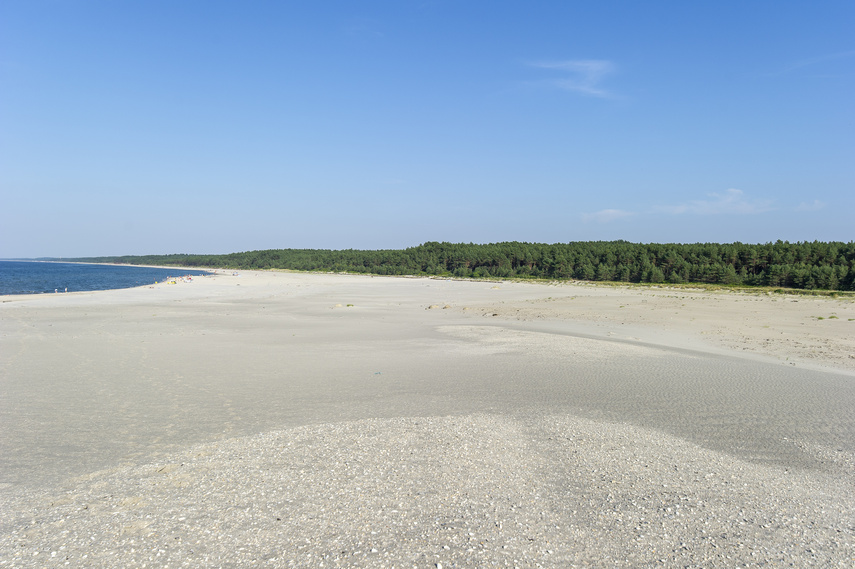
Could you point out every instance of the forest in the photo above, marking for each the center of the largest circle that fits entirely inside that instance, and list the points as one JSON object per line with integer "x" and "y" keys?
{"x": 802, "y": 265}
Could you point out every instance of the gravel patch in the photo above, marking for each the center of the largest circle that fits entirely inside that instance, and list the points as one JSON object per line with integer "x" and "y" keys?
{"x": 478, "y": 490}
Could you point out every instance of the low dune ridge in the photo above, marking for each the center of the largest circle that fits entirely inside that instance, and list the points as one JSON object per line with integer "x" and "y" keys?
{"x": 284, "y": 419}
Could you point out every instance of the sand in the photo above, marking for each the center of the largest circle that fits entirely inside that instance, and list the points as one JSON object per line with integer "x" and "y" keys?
{"x": 279, "y": 419}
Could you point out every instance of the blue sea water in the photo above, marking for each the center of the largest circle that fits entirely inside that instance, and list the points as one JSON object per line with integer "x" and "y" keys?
{"x": 28, "y": 277}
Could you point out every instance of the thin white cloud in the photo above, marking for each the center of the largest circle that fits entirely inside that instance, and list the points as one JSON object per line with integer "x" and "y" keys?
{"x": 607, "y": 215}
{"x": 815, "y": 205}
{"x": 585, "y": 75}
{"x": 732, "y": 201}
{"x": 363, "y": 28}
{"x": 807, "y": 62}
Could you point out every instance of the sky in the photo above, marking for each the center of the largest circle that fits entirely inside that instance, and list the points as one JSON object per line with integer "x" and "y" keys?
{"x": 156, "y": 127}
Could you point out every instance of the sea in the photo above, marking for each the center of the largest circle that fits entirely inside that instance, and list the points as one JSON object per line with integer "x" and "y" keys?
{"x": 35, "y": 277}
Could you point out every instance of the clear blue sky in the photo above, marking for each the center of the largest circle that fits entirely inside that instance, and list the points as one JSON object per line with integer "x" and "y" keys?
{"x": 214, "y": 127}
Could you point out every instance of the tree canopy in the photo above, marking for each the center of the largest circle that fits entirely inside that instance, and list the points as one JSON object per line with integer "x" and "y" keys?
{"x": 802, "y": 265}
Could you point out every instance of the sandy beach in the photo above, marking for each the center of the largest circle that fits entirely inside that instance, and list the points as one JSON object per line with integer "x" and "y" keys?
{"x": 274, "y": 419}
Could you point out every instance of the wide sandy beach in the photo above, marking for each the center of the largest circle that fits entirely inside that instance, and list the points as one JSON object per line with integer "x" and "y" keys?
{"x": 272, "y": 419}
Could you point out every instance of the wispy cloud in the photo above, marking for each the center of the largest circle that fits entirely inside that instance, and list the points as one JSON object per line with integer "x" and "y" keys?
{"x": 585, "y": 75}
{"x": 732, "y": 201}
{"x": 810, "y": 61}
{"x": 815, "y": 205}
{"x": 363, "y": 28}
{"x": 607, "y": 215}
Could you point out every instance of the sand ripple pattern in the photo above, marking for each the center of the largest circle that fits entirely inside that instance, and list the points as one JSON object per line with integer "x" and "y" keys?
{"x": 498, "y": 340}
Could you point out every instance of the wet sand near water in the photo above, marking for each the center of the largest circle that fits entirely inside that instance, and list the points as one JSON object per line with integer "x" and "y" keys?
{"x": 293, "y": 419}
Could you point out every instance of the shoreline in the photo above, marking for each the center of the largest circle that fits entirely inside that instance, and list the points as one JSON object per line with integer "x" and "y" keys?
{"x": 10, "y": 297}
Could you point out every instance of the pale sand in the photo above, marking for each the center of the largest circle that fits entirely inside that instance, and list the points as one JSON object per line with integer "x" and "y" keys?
{"x": 261, "y": 420}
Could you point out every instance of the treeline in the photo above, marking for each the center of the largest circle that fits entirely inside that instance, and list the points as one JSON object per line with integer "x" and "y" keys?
{"x": 803, "y": 265}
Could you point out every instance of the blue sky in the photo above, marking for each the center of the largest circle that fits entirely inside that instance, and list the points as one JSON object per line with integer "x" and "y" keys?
{"x": 214, "y": 127}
